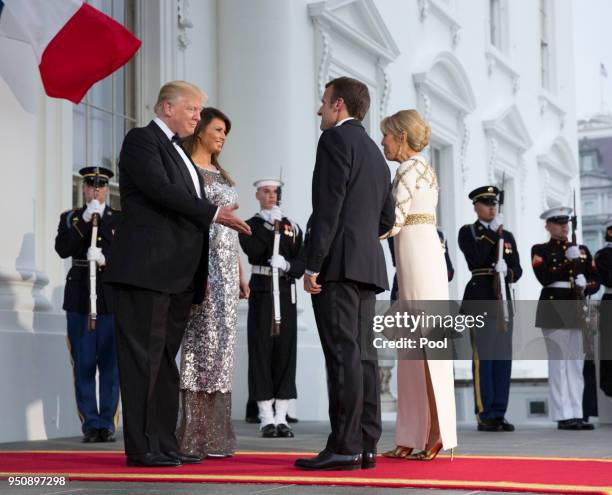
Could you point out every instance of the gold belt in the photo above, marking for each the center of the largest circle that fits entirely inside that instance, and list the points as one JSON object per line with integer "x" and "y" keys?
{"x": 420, "y": 218}
{"x": 81, "y": 263}
{"x": 483, "y": 271}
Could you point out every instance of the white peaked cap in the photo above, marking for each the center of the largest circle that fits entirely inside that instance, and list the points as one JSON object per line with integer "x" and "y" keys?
{"x": 558, "y": 211}
{"x": 268, "y": 182}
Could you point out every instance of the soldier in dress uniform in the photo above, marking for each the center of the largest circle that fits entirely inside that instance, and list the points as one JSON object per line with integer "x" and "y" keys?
{"x": 603, "y": 264}
{"x": 479, "y": 243}
{"x": 272, "y": 359}
{"x": 91, "y": 350}
{"x": 561, "y": 266}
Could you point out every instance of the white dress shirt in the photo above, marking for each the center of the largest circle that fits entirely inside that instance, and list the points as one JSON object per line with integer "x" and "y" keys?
{"x": 343, "y": 121}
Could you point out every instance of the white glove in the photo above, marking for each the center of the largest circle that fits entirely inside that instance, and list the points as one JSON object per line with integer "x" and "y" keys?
{"x": 497, "y": 222}
{"x": 95, "y": 254}
{"x": 501, "y": 267}
{"x": 572, "y": 253}
{"x": 278, "y": 261}
{"x": 275, "y": 214}
{"x": 580, "y": 281}
{"x": 93, "y": 206}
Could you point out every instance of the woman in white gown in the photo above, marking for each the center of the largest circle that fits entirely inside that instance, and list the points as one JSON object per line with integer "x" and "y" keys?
{"x": 426, "y": 415}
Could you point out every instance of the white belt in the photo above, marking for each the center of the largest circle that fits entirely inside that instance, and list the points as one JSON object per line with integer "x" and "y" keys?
{"x": 608, "y": 290}
{"x": 559, "y": 285}
{"x": 264, "y": 270}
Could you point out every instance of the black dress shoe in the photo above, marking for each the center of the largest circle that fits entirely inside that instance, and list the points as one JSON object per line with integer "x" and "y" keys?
{"x": 105, "y": 435}
{"x": 584, "y": 425}
{"x": 328, "y": 461}
{"x": 489, "y": 425}
{"x": 291, "y": 420}
{"x": 568, "y": 424}
{"x": 91, "y": 436}
{"x": 185, "y": 458}
{"x": 368, "y": 460}
{"x": 269, "y": 431}
{"x": 152, "y": 459}
{"x": 505, "y": 425}
{"x": 284, "y": 431}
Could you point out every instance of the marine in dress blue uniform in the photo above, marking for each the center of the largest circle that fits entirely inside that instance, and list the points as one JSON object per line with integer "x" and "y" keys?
{"x": 560, "y": 265}
{"x": 91, "y": 351}
{"x": 479, "y": 244}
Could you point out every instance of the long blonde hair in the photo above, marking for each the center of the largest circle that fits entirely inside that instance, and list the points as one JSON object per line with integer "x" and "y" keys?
{"x": 408, "y": 123}
{"x": 190, "y": 144}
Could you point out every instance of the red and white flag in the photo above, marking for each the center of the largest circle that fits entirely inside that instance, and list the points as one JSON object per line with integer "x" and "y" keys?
{"x": 602, "y": 70}
{"x": 75, "y": 44}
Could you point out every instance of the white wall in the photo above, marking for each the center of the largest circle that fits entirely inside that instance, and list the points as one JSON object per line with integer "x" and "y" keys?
{"x": 259, "y": 62}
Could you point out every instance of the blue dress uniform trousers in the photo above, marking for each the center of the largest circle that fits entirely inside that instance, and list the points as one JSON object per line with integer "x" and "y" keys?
{"x": 490, "y": 371}
{"x": 93, "y": 351}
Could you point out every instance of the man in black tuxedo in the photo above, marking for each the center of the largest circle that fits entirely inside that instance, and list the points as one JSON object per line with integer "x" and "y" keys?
{"x": 158, "y": 268}
{"x": 345, "y": 268}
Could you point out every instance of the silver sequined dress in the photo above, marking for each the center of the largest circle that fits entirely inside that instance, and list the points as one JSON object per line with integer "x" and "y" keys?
{"x": 207, "y": 358}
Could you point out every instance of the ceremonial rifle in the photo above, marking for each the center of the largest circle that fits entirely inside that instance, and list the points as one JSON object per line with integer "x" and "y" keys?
{"x": 503, "y": 315}
{"x": 577, "y": 291}
{"x": 93, "y": 296}
{"x": 276, "y": 322}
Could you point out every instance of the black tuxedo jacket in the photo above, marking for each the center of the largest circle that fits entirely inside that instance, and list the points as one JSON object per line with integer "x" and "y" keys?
{"x": 162, "y": 240}
{"x": 352, "y": 206}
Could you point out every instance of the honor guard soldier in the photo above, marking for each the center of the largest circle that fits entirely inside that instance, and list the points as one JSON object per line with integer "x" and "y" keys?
{"x": 603, "y": 265}
{"x": 565, "y": 270}
{"x": 91, "y": 350}
{"x": 479, "y": 242}
{"x": 272, "y": 358}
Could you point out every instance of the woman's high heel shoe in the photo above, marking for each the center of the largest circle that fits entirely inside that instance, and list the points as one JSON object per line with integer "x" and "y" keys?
{"x": 398, "y": 452}
{"x": 427, "y": 455}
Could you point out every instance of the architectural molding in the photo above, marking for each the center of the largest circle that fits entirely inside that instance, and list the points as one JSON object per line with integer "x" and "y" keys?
{"x": 510, "y": 127}
{"x": 447, "y": 80}
{"x": 354, "y": 23}
{"x": 497, "y": 61}
{"x": 556, "y": 167}
{"x": 444, "y": 85}
{"x": 440, "y": 12}
{"x": 184, "y": 23}
{"x": 549, "y": 103}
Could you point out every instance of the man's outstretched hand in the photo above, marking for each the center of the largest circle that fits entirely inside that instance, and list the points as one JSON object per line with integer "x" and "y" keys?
{"x": 227, "y": 217}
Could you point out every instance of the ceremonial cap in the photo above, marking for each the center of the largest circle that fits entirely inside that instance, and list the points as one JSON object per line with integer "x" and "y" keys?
{"x": 484, "y": 194}
{"x": 558, "y": 214}
{"x": 90, "y": 174}
{"x": 268, "y": 182}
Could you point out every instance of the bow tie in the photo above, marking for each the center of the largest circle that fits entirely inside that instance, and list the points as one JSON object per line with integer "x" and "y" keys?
{"x": 176, "y": 139}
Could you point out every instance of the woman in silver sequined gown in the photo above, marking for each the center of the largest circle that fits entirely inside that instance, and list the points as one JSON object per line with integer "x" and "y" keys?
{"x": 207, "y": 358}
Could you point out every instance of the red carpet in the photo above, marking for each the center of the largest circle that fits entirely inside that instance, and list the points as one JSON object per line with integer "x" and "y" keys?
{"x": 526, "y": 474}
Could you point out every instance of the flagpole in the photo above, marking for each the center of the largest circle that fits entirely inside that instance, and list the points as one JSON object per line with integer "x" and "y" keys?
{"x": 601, "y": 92}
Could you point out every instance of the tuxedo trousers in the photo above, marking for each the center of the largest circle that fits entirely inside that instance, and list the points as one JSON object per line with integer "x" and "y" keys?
{"x": 149, "y": 328}
{"x": 344, "y": 313}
